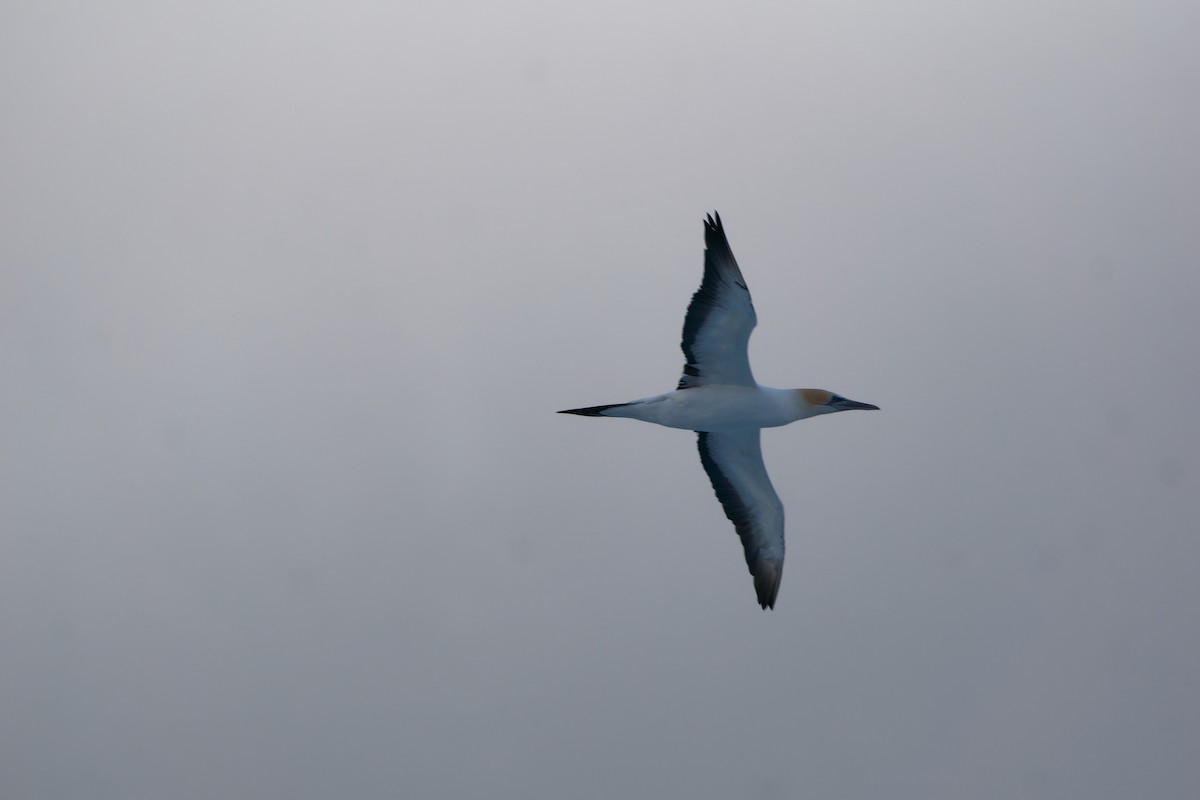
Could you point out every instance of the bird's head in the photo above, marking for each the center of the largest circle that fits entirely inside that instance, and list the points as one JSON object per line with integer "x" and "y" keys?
{"x": 820, "y": 401}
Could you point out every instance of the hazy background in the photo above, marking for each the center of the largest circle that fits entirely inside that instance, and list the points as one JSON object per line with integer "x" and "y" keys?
{"x": 291, "y": 291}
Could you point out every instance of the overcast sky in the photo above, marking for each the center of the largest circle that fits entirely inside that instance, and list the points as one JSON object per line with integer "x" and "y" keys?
{"x": 289, "y": 293}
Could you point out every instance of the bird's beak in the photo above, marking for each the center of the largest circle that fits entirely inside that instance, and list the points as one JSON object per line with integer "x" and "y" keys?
{"x": 842, "y": 404}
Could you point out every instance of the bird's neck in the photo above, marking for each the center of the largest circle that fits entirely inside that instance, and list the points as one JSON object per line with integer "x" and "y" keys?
{"x": 809, "y": 402}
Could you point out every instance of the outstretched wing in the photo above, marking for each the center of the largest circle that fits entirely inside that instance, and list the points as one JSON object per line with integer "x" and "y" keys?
{"x": 735, "y": 466}
{"x": 716, "y": 330}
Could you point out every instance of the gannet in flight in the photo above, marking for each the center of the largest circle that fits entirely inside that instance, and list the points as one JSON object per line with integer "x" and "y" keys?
{"x": 719, "y": 399}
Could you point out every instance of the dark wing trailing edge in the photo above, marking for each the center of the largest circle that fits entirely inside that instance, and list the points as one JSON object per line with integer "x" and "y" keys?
{"x": 735, "y": 466}
{"x": 716, "y": 330}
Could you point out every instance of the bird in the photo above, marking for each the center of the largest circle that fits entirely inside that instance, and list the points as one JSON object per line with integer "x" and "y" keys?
{"x": 718, "y": 398}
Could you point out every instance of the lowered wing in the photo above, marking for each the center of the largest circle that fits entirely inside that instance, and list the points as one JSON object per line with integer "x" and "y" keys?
{"x": 734, "y": 464}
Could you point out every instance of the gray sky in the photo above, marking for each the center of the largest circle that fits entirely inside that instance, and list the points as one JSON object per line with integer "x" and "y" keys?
{"x": 289, "y": 293}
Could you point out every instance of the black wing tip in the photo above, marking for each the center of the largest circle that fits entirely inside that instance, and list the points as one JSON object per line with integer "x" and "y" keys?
{"x": 766, "y": 582}
{"x": 715, "y": 239}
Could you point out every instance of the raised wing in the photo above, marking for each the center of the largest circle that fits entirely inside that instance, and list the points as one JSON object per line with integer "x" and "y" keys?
{"x": 716, "y": 330}
{"x": 734, "y": 464}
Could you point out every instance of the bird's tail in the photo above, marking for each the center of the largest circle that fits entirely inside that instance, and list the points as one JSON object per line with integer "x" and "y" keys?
{"x": 594, "y": 411}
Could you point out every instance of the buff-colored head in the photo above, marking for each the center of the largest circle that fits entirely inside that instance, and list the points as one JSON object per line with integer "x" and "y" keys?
{"x": 820, "y": 401}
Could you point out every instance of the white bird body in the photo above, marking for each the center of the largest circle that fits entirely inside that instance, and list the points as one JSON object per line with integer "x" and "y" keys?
{"x": 720, "y": 408}
{"x": 718, "y": 398}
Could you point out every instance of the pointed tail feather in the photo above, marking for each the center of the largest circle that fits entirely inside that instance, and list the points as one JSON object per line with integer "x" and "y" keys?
{"x": 593, "y": 411}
